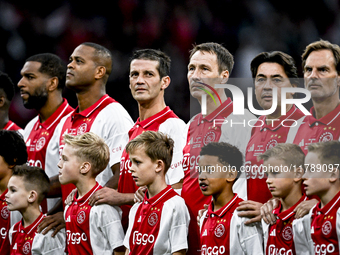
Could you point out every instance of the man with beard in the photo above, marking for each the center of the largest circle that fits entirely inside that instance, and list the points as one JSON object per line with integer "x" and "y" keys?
{"x": 43, "y": 78}
{"x": 321, "y": 66}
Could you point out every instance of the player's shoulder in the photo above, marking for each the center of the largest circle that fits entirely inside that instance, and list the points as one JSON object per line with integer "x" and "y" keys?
{"x": 106, "y": 211}
{"x": 176, "y": 203}
{"x": 29, "y": 126}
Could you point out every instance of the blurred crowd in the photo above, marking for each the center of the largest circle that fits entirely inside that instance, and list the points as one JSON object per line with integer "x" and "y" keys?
{"x": 244, "y": 27}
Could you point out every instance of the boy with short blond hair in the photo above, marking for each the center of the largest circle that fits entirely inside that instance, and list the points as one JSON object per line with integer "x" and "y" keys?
{"x": 319, "y": 231}
{"x": 27, "y": 188}
{"x": 222, "y": 230}
{"x": 90, "y": 230}
{"x": 159, "y": 224}
{"x": 284, "y": 168}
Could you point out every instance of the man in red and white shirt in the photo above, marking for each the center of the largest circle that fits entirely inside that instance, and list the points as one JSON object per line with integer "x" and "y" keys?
{"x": 205, "y": 69}
{"x": 149, "y": 77}
{"x": 269, "y": 70}
{"x": 43, "y": 78}
{"x": 87, "y": 73}
{"x": 319, "y": 231}
{"x": 321, "y": 65}
{"x": 6, "y": 96}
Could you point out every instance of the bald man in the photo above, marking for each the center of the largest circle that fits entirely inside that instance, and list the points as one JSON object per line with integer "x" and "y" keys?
{"x": 87, "y": 73}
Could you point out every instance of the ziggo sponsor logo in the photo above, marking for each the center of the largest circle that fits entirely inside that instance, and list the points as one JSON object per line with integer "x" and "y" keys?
{"x": 272, "y": 250}
{"x": 212, "y": 250}
{"x": 323, "y": 249}
{"x": 75, "y": 238}
{"x": 144, "y": 239}
{"x": 3, "y": 233}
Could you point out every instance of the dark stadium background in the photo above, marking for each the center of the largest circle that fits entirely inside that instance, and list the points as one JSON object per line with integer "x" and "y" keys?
{"x": 244, "y": 27}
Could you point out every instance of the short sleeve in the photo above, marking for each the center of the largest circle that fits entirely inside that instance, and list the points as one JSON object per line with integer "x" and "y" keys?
{"x": 132, "y": 215}
{"x": 48, "y": 245}
{"x": 179, "y": 226}
{"x": 106, "y": 227}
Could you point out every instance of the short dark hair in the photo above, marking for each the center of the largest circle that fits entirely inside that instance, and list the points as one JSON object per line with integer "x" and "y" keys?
{"x": 156, "y": 145}
{"x": 13, "y": 148}
{"x": 322, "y": 45}
{"x": 227, "y": 154}
{"x": 164, "y": 61}
{"x": 7, "y": 85}
{"x": 34, "y": 178}
{"x": 103, "y": 57}
{"x": 51, "y": 65}
{"x": 279, "y": 57}
{"x": 225, "y": 60}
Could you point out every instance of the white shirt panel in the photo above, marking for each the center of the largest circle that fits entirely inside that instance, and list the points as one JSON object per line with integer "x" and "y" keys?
{"x": 112, "y": 124}
{"x": 48, "y": 245}
{"x": 174, "y": 128}
{"x": 106, "y": 231}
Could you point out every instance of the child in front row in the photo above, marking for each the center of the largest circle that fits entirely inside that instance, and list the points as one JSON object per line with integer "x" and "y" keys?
{"x": 284, "y": 165}
{"x": 13, "y": 152}
{"x": 27, "y": 187}
{"x": 159, "y": 224}
{"x": 319, "y": 231}
{"x": 222, "y": 230}
{"x": 90, "y": 230}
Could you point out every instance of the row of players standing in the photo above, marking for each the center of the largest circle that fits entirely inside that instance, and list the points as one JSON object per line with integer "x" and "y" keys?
{"x": 87, "y": 73}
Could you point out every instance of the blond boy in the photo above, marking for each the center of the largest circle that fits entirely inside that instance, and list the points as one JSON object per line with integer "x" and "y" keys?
{"x": 90, "y": 230}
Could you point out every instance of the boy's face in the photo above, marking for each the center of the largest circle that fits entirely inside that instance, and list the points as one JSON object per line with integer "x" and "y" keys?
{"x": 17, "y": 195}
{"x": 212, "y": 179}
{"x": 280, "y": 183}
{"x": 69, "y": 165}
{"x": 315, "y": 182}
{"x": 143, "y": 169}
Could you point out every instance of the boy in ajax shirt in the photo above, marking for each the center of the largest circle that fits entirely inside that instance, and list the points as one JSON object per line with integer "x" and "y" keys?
{"x": 222, "y": 230}
{"x": 27, "y": 188}
{"x": 159, "y": 224}
{"x": 283, "y": 165}
{"x": 318, "y": 232}
{"x": 89, "y": 230}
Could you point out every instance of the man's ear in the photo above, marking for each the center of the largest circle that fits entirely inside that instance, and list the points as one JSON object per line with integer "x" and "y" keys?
{"x": 100, "y": 72}
{"x": 54, "y": 81}
{"x": 85, "y": 167}
{"x": 32, "y": 196}
{"x": 2, "y": 101}
{"x": 165, "y": 82}
{"x": 225, "y": 76}
{"x": 160, "y": 166}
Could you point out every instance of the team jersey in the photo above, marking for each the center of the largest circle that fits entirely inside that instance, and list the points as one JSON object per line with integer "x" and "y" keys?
{"x": 266, "y": 136}
{"x": 26, "y": 241}
{"x": 158, "y": 225}
{"x": 319, "y": 231}
{"x": 92, "y": 230}
{"x": 106, "y": 118}
{"x": 215, "y": 127}
{"x": 7, "y": 220}
{"x": 278, "y": 238}
{"x": 13, "y": 127}
{"x": 223, "y": 232}
{"x": 42, "y": 148}
{"x": 312, "y": 130}
{"x": 168, "y": 123}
